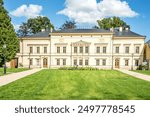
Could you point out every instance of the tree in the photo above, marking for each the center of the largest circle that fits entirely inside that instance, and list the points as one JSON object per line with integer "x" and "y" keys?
{"x": 69, "y": 25}
{"x": 23, "y": 30}
{"x": 34, "y": 25}
{"x": 7, "y": 36}
{"x": 114, "y": 22}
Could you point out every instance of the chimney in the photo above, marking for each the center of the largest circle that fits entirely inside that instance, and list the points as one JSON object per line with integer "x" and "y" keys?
{"x": 120, "y": 29}
{"x": 42, "y": 30}
{"x": 51, "y": 30}
{"x": 127, "y": 29}
{"x": 112, "y": 29}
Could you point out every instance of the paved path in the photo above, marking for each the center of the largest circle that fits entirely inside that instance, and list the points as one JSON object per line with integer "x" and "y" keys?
{"x": 135, "y": 74}
{"x": 15, "y": 76}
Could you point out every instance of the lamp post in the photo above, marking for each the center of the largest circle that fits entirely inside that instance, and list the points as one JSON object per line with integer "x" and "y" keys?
{"x": 4, "y": 47}
{"x": 29, "y": 60}
{"x": 132, "y": 62}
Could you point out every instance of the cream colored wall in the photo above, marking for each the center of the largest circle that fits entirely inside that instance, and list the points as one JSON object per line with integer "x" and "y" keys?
{"x": 105, "y": 41}
{"x": 132, "y": 43}
{"x": 24, "y": 51}
{"x": 102, "y": 40}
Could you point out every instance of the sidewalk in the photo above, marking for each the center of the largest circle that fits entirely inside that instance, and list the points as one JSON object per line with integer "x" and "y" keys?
{"x": 15, "y": 76}
{"x": 135, "y": 74}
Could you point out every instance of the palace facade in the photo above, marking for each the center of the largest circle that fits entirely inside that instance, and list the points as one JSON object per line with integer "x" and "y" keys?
{"x": 103, "y": 49}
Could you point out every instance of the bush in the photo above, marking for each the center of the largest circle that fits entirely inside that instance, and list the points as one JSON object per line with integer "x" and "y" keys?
{"x": 77, "y": 68}
{"x": 142, "y": 67}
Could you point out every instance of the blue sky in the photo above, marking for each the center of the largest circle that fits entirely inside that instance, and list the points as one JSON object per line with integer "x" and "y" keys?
{"x": 85, "y": 12}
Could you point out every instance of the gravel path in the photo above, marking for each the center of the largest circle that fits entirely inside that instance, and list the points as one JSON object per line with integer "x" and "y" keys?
{"x": 15, "y": 76}
{"x": 135, "y": 74}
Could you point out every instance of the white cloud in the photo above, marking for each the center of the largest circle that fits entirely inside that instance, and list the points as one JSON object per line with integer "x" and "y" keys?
{"x": 30, "y": 11}
{"x": 89, "y": 11}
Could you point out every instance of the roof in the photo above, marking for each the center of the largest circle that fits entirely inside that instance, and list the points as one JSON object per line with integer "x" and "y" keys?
{"x": 40, "y": 34}
{"x": 81, "y": 31}
{"x": 148, "y": 42}
{"x": 117, "y": 32}
{"x": 127, "y": 33}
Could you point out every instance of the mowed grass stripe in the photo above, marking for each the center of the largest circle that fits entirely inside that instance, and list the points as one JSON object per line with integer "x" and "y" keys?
{"x": 77, "y": 85}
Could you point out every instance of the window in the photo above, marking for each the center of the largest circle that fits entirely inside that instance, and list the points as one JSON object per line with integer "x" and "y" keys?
{"x": 75, "y": 61}
{"x": 81, "y": 62}
{"x": 38, "y": 50}
{"x": 104, "y": 62}
{"x": 98, "y": 50}
{"x": 31, "y": 49}
{"x": 86, "y": 49}
{"x": 104, "y": 49}
{"x": 136, "y": 62}
{"x": 75, "y": 50}
{"x": 127, "y": 50}
{"x": 97, "y": 62}
{"x": 58, "y": 49}
{"x": 137, "y": 50}
{"x": 31, "y": 61}
{"x": 64, "y": 49}
{"x": 126, "y": 62}
{"x": 37, "y": 62}
{"x": 81, "y": 49}
{"x": 86, "y": 62}
{"x": 45, "y": 50}
{"x": 58, "y": 61}
{"x": 117, "y": 49}
{"x": 64, "y": 61}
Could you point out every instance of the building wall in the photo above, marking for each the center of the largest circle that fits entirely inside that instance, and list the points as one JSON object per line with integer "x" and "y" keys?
{"x": 147, "y": 49}
{"x": 70, "y": 41}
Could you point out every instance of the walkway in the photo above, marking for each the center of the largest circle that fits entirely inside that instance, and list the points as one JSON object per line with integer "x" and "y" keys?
{"x": 135, "y": 74}
{"x": 15, "y": 76}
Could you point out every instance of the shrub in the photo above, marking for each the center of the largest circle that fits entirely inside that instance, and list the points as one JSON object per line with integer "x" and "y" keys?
{"x": 142, "y": 67}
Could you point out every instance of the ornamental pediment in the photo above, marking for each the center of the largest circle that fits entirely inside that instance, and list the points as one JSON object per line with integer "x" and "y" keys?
{"x": 81, "y": 43}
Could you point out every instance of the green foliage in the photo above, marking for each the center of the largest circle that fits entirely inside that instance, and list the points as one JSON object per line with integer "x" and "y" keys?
{"x": 114, "y": 22}
{"x": 69, "y": 25}
{"x": 7, "y": 36}
{"x": 23, "y": 30}
{"x": 34, "y": 25}
{"x": 143, "y": 67}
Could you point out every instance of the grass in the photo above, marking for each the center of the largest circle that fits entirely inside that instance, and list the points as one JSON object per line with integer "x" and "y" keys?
{"x": 146, "y": 72}
{"x": 12, "y": 70}
{"x": 77, "y": 85}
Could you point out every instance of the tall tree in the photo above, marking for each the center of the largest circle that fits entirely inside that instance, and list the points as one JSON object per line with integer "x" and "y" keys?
{"x": 35, "y": 25}
{"x": 69, "y": 25}
{"x": 114, "y": 22}
{"x": 7, "y": 36}
{"x": 23, "y": 30}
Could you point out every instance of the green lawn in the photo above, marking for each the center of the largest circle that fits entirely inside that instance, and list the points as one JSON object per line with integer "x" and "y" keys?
{"x": 90, "y": 85}
{"x": 12, "y": 70}
{"x": 146, "y": 72}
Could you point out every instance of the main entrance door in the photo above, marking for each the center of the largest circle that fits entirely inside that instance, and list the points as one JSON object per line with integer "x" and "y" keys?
{"x": 117, "y": 63}
{"x": 45, "y": 63}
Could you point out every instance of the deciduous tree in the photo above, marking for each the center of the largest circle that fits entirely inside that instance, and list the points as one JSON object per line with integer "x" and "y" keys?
{"x": 114, "y": 22}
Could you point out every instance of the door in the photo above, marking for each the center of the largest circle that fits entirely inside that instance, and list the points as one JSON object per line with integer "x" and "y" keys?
{"x": 14, "y": 63}
{"x": 45, "y": 63}
{"x": 117, "y": 63}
